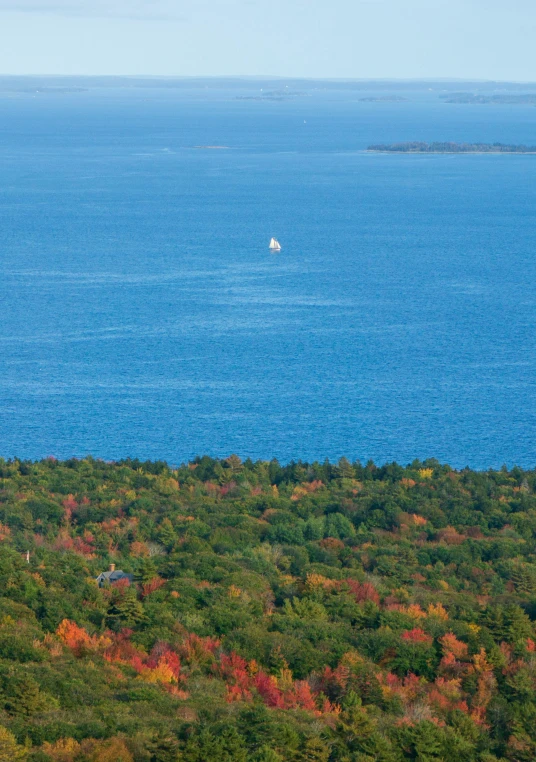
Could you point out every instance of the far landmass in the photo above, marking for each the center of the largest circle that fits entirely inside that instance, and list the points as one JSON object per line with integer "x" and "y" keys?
{"x": 275, "y": 95}
{"x": 449, "y": 88}
{"x": 384, "y": 99}
{"x": 418, "y": 147}
{"x": 505, "y": 98}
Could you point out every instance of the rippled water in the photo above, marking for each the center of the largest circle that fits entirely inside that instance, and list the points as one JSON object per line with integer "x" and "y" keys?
{"x": 142, "y": 314}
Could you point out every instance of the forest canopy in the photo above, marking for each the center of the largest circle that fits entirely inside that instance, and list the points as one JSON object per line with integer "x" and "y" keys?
{"x": 330, "y": 612}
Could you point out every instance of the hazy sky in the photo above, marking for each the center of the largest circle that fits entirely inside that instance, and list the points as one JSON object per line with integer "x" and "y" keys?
{"x": 485, "y": 39}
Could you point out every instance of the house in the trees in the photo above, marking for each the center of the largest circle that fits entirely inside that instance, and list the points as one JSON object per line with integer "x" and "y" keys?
{"x": 113, "y": 575}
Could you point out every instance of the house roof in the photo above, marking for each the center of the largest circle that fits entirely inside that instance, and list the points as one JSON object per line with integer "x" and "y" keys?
{"x": 113, "y": 576}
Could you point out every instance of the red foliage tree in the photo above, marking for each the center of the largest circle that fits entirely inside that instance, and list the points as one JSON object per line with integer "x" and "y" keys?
{"x": 69, "y": 507}
{"x": 198, "y": 650}
{"x": 363, "y": 591}
{"x": 267, "y": 688}
{"x": 416, "y": 635}
{"x": 152, "y": 586}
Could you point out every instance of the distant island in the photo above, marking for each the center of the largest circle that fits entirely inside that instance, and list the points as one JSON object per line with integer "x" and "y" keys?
{"x": 384, "y": 99}
{"x": 417, "y": 147}
{"x": 523, "y": 99}
{"x": 273, "y": 95}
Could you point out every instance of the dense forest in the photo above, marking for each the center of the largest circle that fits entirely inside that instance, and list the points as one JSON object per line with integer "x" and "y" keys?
{"x": 417, "y": 147}
{"x": 330, "y": 612}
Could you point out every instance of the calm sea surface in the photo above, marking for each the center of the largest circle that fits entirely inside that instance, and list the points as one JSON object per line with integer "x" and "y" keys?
{"x": 141, "y": 313}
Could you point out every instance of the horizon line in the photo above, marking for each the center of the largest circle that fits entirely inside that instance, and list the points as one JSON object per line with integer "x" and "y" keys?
{"x": 259, "y": 77}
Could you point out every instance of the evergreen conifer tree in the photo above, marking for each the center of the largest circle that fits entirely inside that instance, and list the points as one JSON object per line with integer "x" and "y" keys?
{"x": 164, "y": 748}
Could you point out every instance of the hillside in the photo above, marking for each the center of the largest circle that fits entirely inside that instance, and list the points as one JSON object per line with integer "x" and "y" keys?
{"x": 307, "y": 612}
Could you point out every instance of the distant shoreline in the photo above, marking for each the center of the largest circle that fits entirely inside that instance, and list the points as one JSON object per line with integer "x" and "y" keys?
{"x": 451, "y": 148}
{"x": 470, "y": 153}
{"x": 508, "y": 99}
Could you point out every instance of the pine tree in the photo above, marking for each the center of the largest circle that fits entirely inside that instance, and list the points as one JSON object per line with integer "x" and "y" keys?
{"x": 315, "y": 750}
{"x": 256, "y": 724}
{"x": 166, "y": 534}
{"x": 524, "y": 578}
{"x": 164, "y": 748}
{"x": 146, "y": 570}
{"x": 422, "y": 742}
{"x": 227, "y": 747}
{"x": 355, "y": 727}
{"x": 345, "y": 469}
{"x": 266, "y": 754}
{"x": 125, "y": 610}
{"x": 23, "y": 696}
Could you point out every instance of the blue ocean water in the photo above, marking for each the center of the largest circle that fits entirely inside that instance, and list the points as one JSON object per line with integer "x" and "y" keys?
{"x": 142, "y": 315}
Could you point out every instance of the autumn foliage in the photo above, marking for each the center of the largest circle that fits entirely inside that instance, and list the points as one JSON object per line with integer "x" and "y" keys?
{"x": 309, "y": 612}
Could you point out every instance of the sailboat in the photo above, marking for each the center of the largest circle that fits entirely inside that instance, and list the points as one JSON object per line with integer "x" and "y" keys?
{"x": 275, "y": 245}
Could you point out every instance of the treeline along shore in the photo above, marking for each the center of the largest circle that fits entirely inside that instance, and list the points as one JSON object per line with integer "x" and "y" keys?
{"x": 497, "y": 99}
{"x": 251, "y": 611}
{"x": 418, "y": 147}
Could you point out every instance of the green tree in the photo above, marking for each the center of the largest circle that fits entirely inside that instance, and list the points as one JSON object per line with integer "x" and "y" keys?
{"x": 163, "y": 748}
{"x": 146, "y": 570}
{"x": 22, "y": 696}
{"x": 229, "y": 746}
{"x": 256, "y": 725}
{"x": 125, "y": 610}
{"x": 314, "y": 750}
{"x": 166, "y": 534}
{"x": 266, "y": 754}
{"x": 422, "y": 742}
{"x": 354, "y": 727}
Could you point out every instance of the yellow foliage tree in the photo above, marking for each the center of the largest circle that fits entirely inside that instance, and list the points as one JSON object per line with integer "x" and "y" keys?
{"x": 162, "y": 673}
{"x": 315, "y": 581}
{"x": 426, "y": 473}
{"x": 438, "y": 610}
{"x": 415, "y": 611}
{"x": 285, "y": 680}
{"x": 63, "y": 750}
{"x": 10, "y": 751}
{"x": 114, "y": 750}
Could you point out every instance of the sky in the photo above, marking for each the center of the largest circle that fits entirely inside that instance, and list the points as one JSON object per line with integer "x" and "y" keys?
{"x": 471, "y": 39}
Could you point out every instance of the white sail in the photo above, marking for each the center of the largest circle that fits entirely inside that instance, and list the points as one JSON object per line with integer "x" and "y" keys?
{"x": 275, "y": 245}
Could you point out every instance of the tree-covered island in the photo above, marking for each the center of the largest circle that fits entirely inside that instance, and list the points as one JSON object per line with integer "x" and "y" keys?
{"x": 384, "y": 99}
{"x": 419, "y": 147}
{"x": 259, "y": 612}
{"x": 500, "y": 99}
